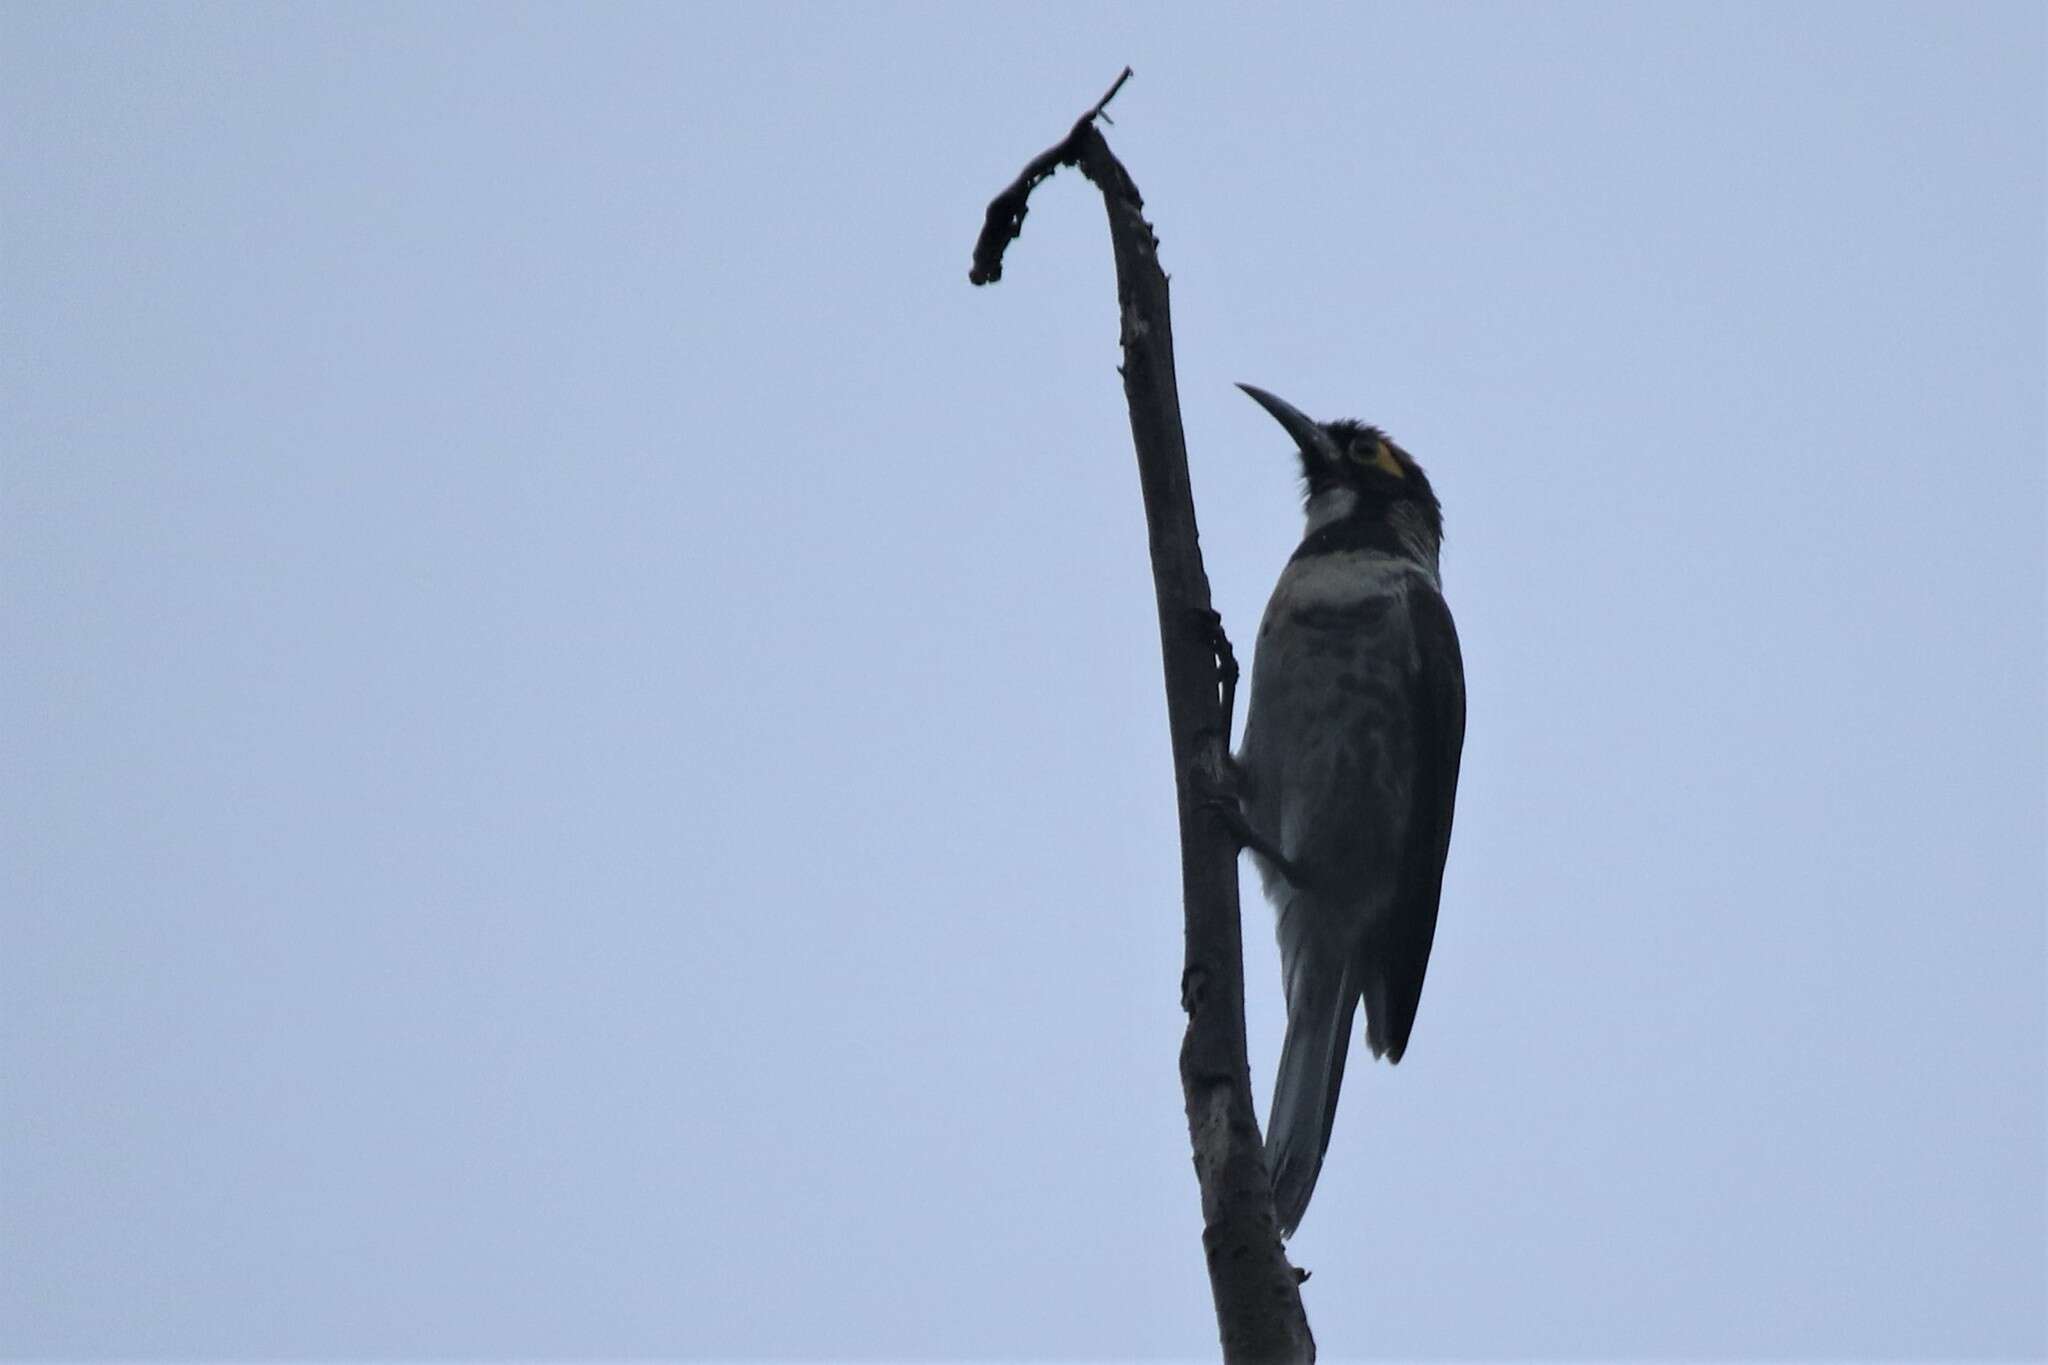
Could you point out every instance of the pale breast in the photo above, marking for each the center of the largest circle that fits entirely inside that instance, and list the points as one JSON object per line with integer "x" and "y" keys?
{"x": 1351, "y": 593}
{"x": 1325, "y": 735}
{"x": 1343, "y": 576}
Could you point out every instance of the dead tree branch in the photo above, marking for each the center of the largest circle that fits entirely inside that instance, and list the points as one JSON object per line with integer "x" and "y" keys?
{"x": 1258, "y": 1299}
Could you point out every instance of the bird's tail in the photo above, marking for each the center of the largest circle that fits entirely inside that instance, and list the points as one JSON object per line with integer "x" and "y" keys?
{"x": 1321, "y": 1003}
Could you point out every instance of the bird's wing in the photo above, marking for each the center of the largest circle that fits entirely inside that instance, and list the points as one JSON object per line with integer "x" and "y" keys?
{"x": 1394, "y": 959}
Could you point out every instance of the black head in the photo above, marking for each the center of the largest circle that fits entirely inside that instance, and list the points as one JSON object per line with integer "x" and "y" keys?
{"x": 1352, "y": 455}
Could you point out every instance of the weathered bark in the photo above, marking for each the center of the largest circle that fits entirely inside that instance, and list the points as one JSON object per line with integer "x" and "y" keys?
{"x": 1257, "y": 1293}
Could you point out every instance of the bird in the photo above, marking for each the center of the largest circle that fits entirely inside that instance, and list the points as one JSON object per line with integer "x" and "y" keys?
{"x": 1347, "y": 776}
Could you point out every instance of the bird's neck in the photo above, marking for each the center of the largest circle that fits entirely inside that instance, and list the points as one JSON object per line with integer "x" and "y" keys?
{"x": 1338, "y": 522}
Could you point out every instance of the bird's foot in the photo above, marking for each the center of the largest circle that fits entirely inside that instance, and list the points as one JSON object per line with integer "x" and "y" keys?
{"x": 1224, "y": 800}
{"x": 1209, "y": 622}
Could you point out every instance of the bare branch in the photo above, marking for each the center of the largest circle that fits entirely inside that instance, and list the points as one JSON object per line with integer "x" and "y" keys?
{"x": 1004, "y": 222}
{"x": 1257, "y": 1293}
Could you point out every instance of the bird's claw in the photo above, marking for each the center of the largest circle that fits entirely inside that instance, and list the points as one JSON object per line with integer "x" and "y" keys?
{"x": 1209, "y": 622}
{"x": 1223, "y": 798}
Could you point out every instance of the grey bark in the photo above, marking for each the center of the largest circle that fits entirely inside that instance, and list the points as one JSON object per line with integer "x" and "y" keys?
{"x": 1257, "y": 1293}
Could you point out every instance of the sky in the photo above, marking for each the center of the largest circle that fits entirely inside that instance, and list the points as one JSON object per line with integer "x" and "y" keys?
{"x": 585, "y": 768}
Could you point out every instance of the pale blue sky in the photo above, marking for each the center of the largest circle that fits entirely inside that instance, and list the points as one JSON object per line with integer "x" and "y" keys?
{"x": 584, "y": 764}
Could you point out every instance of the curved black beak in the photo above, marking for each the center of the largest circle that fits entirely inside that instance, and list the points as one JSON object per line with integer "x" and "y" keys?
{"x": 1312, "y": 439}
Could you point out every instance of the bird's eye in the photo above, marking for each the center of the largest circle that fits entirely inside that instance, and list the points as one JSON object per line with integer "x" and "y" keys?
{"x": 1375, "y": 453}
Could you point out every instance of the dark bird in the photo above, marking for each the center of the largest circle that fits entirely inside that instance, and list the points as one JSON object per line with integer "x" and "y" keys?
{"x": 1349, "y": 771}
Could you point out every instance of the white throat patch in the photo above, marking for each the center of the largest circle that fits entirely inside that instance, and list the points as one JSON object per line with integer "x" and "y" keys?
{"x": 1329, "y": 506}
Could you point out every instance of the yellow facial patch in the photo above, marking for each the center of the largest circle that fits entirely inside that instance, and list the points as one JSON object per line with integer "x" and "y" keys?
{"x": 1381, "y": 457}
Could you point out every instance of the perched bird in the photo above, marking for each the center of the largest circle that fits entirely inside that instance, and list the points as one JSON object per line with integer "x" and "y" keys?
{"x": 1349, "y": 771}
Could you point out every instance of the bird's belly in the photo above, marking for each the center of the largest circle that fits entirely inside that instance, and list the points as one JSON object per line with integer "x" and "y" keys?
{"x": 1328, "y": 753}
{"x": 1344, "y": 778}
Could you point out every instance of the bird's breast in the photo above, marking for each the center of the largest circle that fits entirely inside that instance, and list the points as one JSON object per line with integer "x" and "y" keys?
{"x": 1346, "y": 598}
{"x": 1342, "y": 578}
{"x": 1325, "y": 746}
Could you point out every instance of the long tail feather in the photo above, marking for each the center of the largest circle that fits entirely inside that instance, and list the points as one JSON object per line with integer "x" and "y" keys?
{"x": 1320, "y": 1010}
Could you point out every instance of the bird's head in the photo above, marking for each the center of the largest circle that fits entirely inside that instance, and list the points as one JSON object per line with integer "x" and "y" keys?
{"x": 1351, "y": 470}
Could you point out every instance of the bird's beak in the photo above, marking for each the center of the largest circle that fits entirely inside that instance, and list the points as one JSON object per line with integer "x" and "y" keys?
{"x": 1311, "y": 438}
